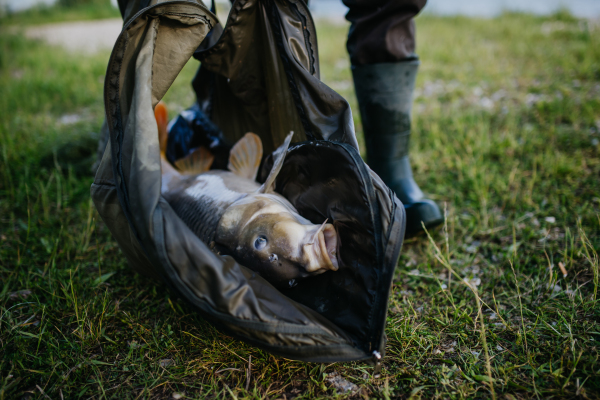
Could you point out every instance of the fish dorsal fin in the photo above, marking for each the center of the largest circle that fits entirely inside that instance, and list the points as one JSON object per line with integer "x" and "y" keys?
{"x": 162, "y": 120}
{"x": 278, "y": 158}
{"x": 197, "y": 162}
{"x": 245, "y": 156}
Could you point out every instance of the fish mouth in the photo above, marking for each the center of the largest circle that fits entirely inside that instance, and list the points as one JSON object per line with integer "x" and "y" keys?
{"x": 322, "y": 251}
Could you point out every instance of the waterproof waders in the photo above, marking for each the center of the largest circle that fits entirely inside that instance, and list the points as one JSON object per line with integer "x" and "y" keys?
{"x": 384, "y": 93}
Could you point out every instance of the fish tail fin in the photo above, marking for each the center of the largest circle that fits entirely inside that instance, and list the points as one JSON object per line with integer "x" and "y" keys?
{"x": 162, "y": 120}
{"x": 245, "y": 156}
{"x": 197, "y": 162}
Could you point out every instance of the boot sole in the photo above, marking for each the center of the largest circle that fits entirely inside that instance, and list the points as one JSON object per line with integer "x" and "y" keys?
{"x": 425, "y": 211}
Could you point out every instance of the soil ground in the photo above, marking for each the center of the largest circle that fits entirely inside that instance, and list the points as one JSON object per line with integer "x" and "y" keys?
{"x": 81, "y": 36}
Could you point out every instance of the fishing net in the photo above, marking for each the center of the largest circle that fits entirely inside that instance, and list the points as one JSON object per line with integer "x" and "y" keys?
{"x": 259, "y": 73}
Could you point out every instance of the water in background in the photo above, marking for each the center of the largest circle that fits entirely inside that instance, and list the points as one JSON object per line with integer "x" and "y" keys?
{"x": 20, "y": 5}
{"x": 491, "y": 8}
{"x": 476, "y": 8}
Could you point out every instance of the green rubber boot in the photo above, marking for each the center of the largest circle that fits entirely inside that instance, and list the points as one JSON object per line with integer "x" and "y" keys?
{"x": 384, "y": 93}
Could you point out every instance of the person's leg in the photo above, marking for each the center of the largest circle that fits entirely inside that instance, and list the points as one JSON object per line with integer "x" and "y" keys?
{"x": 381, "y": 44}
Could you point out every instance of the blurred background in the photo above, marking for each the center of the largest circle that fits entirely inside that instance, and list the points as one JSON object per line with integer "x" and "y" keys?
{"x": 335, "y": 8}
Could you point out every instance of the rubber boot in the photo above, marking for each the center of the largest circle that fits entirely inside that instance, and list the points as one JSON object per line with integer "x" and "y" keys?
{"x": 384, "y": 93}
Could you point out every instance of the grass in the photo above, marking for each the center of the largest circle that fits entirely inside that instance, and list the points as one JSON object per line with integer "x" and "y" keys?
{"x": 506, "y": 133}
{"x": 46, "y": 14}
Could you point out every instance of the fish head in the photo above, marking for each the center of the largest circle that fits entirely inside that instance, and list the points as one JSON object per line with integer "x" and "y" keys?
{"x": 265, "y": 233}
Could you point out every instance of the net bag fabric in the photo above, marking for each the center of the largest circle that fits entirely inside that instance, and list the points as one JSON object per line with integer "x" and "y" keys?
{"x": 260, "y": 73}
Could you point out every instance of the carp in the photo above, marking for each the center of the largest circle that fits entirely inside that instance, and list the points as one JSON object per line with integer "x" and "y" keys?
{"x": 236, "y": 216}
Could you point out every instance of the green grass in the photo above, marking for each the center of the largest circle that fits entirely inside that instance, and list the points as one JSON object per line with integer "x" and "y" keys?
{"x": 507, "y": 123}
{"x": 45, "y": 15}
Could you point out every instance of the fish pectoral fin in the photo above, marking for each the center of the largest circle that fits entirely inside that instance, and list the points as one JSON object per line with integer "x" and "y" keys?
{"x": 245, "y": 156}
{"x": 162, "y": 120}
{"x": 197, "y": 162}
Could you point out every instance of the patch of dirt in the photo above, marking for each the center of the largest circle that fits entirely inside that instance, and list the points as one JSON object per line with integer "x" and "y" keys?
{"x": 87, "y": 37}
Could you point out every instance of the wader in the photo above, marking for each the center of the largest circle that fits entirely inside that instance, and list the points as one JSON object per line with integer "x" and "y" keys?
{"x": 381, "y": 45}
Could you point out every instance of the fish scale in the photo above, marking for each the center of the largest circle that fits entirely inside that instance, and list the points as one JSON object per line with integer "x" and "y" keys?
{"x": 202, "y": 204}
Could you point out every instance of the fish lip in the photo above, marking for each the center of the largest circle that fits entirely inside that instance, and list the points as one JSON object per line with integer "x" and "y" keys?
{"x": 323, "y": 251}
{"x": 328, "y": 244}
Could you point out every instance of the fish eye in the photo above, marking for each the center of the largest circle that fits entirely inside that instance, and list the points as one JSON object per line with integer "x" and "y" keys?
{"x": 260, "y": 242}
